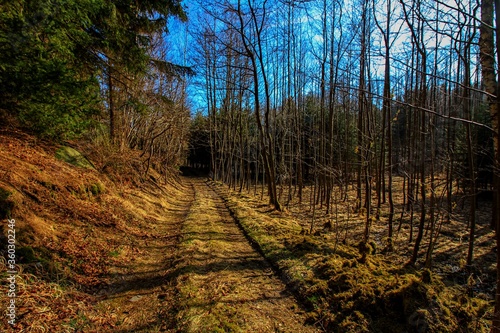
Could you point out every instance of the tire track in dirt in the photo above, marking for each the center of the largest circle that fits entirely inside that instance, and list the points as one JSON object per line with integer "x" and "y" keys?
{"x": 224, "y": 284}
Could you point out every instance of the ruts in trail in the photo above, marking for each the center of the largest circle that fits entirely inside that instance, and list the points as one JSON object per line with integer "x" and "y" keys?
{"x": 225, "y": 285}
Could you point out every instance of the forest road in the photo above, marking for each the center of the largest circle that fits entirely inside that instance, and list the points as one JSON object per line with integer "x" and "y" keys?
{"x": 225, "y": 285}
{"x": 191, "y": 269}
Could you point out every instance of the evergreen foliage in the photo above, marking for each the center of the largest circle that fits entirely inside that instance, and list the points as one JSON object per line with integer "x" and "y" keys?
{"x": 52, "y": 53}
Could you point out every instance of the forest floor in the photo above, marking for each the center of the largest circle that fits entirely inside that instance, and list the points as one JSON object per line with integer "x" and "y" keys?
{"x": 320, "y": 255}
{"x": 100, "y": 252}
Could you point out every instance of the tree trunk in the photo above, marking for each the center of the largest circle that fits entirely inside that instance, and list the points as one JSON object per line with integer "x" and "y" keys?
{"x": 487, "y": 50}
{"x": 111, "y": 107}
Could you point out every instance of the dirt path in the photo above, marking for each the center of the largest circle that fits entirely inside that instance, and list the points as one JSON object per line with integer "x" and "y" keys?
{"x": 224, "y": 284}
{"x": 189, "y": 268}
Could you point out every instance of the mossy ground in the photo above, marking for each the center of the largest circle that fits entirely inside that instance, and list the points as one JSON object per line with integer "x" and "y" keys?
{"x": 345, "y": 292}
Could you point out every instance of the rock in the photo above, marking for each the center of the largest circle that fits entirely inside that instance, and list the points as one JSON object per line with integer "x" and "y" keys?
{"x": 73, "y": 156}
{"x": 136, "y": 298}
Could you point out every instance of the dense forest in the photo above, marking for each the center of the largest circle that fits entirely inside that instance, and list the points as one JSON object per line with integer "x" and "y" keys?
{"x": 382, "y": 109}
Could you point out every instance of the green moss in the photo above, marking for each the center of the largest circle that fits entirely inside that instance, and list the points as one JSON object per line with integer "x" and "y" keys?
{"x": 26, "y": 255}
{"x": 357, "y": 322}
{"x": 74, "y": 157}
{"x": 6, "y": 205}
{"x": 367, "y": 247}
{"x": 426, "y": 276}
{"x": 115, "y": 253}
{"x": 96, "y": 188}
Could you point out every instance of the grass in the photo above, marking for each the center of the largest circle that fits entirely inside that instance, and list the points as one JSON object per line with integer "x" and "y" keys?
{"x": 198, "y": 313}
{"x": 83, "y": 236}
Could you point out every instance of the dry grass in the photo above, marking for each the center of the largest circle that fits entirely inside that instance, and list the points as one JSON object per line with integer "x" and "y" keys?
{"x": 87, "y": 243}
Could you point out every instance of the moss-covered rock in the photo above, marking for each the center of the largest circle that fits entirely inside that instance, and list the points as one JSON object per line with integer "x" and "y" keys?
{"x": 96, "y": 188}
{"x": 73, "y": 156}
